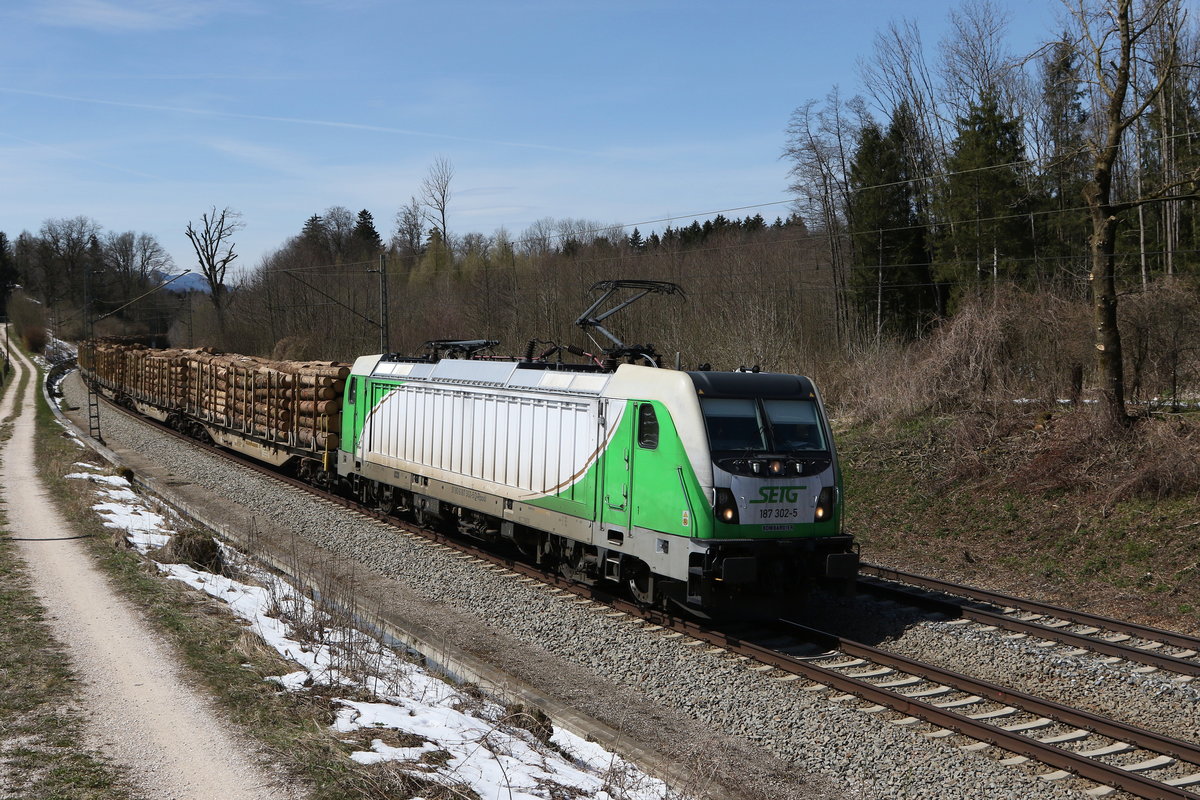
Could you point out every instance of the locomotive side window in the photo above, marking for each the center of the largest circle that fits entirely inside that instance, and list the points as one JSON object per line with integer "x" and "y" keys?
{"x": 647, "y": 427}
{"x": 353, "y": 390}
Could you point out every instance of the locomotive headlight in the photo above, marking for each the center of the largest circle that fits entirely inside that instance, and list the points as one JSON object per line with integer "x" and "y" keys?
{"x": 824, "y": 509}
{"x": 726, "y": 508}
{"x": 776, "y": 467}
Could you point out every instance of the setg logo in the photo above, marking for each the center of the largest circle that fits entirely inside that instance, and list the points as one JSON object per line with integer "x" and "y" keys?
{"x": 778, "y": 494}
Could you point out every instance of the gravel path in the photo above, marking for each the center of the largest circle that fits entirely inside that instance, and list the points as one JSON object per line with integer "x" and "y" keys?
{"x": 140, "y": 710}
{"x": 747, "y": 728}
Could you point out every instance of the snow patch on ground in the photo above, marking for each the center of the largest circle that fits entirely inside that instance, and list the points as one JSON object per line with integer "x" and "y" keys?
{"x": 449, "y": 736}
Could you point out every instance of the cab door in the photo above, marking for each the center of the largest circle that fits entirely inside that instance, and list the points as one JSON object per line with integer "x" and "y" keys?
{"x": 350, "y": 414}
{"x": 617, "y": 480}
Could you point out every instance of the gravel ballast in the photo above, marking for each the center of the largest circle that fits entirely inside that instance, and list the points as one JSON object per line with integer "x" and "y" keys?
{"x": 746, "y": 729}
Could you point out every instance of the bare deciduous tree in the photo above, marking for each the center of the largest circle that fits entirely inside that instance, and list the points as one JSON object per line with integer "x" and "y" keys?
{"x": 213, "y": 243}
{"x": 974, "y": 61}
{"x": 820, "y": 140}
{"x": 435, "y": 195}
{"x": 539, "y": 238}
{"x": 1114, "y": 35}
{"x": 408, "y": 239}
{"x": 62, "y": 258}
{"x": 339, "y": 226}
{"x": 132, "y": 257}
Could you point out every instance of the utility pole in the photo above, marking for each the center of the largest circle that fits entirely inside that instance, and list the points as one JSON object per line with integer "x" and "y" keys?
{"x": 383, "y": 303}
{"x": 93, "y": 400}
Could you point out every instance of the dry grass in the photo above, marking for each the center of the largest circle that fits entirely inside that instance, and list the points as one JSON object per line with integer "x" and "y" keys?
{"x": 1008, "y": 345}
{"x": 1156, "y": 458}
{"x": 1059, "y": 506}
{"x": 194, "y": 548}
{"x": 966, "y": 457}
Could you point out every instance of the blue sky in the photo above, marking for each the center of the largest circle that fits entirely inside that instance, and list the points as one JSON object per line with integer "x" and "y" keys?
{"x": 144, "y": 113}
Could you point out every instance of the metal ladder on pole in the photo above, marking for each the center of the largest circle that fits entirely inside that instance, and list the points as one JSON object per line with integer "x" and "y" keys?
{"x": 94, "y": 415}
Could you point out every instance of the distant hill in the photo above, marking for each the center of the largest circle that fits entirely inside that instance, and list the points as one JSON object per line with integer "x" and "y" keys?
{"x": 192, "y": 282}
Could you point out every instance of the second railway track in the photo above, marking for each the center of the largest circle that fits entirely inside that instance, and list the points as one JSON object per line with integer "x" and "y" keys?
{"x": 1169, "y": 651}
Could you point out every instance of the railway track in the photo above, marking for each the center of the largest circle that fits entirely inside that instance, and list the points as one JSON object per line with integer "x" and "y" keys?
{"x": 1116, "y": 639}
{"x": 1112, "y": 754}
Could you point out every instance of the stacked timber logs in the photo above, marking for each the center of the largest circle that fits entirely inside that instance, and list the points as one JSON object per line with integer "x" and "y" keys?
{"x": 107, "y": 361}
{"x": 291, "y": 403}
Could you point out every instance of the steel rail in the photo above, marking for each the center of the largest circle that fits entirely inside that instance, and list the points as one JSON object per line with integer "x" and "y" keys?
{"x": 1042, "y": 752}
{"x": 997, "y": 598}
{"x": 1163, "y": 661}
{"x": 1048, "y": 754}
{"x": 1016, "y": 742}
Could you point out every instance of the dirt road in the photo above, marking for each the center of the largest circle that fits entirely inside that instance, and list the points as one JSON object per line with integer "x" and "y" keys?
{"x": 141, "y": 711}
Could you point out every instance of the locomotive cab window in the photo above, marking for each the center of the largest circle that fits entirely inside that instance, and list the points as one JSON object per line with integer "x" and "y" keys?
{"x": 734, "y": 424}
{"x": 749, "y": 425}
{"x": 794, "y": 425}
{"x": 353, "y": 390}
{"x": 647, "y": 427}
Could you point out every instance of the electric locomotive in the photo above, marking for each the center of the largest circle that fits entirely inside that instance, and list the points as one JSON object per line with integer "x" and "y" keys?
{"x": 713, "y": 490}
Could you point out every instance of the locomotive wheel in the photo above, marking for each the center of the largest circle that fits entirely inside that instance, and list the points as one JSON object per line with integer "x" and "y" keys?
{"x": 641, "y": 583}
{"x": 385, "y": 501}
{"x": 573, "y": 563}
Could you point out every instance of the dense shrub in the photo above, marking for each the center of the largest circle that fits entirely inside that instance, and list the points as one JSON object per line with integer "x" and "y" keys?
{"x": 1003, "y": 348}
{"x": 28, "y": 319}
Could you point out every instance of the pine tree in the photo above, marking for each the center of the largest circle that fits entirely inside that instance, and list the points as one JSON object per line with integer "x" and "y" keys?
{"x": 983, "y": 205}
{"x": 890, "y": 278}
{"x": 8, "y": 270}
{"x": 635, "y": 241}
{"x": 1060, "y": 245}
{"x": 367, "y": 240}
{"x": 314, "y": 240}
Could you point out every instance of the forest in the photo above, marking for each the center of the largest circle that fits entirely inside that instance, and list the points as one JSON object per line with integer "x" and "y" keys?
{"x": 982, "y": 225}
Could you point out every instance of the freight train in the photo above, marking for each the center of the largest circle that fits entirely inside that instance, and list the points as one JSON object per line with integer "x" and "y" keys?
{"x": 713, "y": 491}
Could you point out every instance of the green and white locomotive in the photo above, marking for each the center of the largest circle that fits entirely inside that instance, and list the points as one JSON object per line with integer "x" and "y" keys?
{"x": 715, "y": 490}
{"x": 710, "y": 490}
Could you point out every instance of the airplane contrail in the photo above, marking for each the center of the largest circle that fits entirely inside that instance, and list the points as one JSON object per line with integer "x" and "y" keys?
{"x": 293, "y": 121}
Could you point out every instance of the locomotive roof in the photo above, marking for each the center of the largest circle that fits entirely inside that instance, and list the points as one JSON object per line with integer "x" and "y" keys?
{"x": 516, "y": 375}
{"x": 494, "y": 374}
{"x": 751, "y": 384}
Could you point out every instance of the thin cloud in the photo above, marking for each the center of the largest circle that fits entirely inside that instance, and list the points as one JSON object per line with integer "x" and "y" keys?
{"x": 265, "y": 157}
{"x": 142, "y": 15}
{"x": 62, "y": 151}
{"x": 296, "y": 121}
